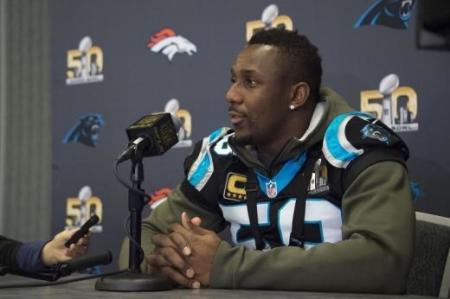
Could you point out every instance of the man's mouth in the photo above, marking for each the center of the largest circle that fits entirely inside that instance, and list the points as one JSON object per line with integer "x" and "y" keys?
{"x": 235, "y": 117}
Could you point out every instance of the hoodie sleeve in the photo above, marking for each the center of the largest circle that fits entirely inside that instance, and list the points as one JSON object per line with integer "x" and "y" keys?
{"x": 374, "y": 255}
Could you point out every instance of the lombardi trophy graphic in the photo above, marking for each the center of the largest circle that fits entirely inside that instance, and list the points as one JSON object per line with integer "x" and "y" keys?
{"x": 268, "y": 16}
{"x": 83, "y": 47}
{"x": 387, "y": 86}
{"x": 173, "y": 106}
{"x": 84, "y": 194}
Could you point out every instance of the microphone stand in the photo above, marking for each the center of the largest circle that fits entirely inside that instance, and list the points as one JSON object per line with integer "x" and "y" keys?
{"x": 133, "y": 280}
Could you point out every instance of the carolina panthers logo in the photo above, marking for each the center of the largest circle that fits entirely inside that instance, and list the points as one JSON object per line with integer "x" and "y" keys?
{"x": 86, "y": 131}
{"x": 170, "y": 44}
{"x": 390, "y": 13}
{"x": 375, "y": 132}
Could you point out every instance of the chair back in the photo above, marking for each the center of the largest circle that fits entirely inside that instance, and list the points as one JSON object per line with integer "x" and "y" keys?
{"x": 430, "y": 270}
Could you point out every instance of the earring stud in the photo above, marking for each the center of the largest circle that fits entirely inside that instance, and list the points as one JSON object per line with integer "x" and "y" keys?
{"x": 292, "y": 107}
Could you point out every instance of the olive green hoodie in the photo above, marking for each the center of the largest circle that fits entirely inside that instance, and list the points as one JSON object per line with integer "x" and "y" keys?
{"x": 377, "y": 231}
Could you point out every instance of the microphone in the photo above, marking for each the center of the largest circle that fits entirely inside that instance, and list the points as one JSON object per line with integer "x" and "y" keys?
{"x": 67, "y": 268}
{"x": 153, "y": 134}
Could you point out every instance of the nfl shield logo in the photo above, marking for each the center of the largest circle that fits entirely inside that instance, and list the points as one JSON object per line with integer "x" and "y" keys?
{"x": 271, "y": 189}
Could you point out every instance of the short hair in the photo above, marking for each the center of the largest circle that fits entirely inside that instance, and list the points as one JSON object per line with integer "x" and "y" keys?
{"x": 299, "y": 55}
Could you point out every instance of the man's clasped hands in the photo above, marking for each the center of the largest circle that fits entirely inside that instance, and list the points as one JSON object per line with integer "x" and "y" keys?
{"x": 185, "y": 255}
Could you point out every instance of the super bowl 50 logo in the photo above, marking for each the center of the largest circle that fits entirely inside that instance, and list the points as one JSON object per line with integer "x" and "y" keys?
{"x": 394, "y": 105}
{"x": 85, "y": 64}
{"x": 269, "y": 19}
{"x": 79, "y": 209}
{"x": 173, "y": 107}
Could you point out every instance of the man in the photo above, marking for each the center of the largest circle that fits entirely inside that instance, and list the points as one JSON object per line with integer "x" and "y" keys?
{"x": 34, "y": 257}
{"x": 316, "y": 195}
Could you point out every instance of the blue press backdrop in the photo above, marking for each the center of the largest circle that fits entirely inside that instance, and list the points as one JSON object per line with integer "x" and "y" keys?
{"x": 107, "y": 72}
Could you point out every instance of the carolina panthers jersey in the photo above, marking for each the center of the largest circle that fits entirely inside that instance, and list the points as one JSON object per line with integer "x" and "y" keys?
{"x": 217, "y": 179}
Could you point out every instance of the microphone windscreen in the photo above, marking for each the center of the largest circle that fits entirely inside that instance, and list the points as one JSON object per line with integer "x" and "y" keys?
{"x": 159, "y": 130}
{"x": 85, "y": 262}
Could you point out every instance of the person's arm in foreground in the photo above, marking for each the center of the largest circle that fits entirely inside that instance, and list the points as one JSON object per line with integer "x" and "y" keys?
{"x": 55, "y": 251}
{"x": 32, "y": 257}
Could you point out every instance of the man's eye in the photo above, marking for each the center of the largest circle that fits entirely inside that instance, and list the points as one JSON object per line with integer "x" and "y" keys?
{"x": 250, "y": 82}
{"x": 233, "y": 80}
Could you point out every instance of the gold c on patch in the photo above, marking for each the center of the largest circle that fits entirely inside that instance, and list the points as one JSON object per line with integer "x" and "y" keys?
{"x": 235, "y": 187}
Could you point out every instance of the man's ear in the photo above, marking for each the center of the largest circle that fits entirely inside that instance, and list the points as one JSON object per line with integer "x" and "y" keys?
{"x": 300, "y": 94}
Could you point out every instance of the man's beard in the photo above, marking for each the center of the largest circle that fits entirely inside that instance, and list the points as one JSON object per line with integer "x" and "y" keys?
{"x": 243, "y": 140}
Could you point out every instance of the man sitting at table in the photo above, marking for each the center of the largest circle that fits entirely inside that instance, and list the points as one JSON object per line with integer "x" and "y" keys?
{"x": 316, "y": 195}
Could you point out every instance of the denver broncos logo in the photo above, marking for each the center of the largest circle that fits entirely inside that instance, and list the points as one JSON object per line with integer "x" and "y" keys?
{"x": 168, "y": 43}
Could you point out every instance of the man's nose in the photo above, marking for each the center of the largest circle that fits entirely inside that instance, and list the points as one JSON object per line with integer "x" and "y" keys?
{"x": 233, "y": 94}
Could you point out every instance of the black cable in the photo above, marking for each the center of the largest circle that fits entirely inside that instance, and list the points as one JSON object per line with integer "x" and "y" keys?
{"x": 127, "y": 220}
{"x": 127, "y": 231}
{"x": 64, "y": 281}
{"x": 116, "y": 173}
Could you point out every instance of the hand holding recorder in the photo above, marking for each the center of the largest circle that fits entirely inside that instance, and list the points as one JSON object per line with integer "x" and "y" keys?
{"x": 68, "y": 244}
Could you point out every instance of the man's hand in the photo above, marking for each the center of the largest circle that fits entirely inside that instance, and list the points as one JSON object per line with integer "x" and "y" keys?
{"x": 168, "y": 259}
{"x": 203, "y": 245}
{"x": 182, "y": 255}
{"x": 168, "y": 256}
{"x": 55, "y": 251}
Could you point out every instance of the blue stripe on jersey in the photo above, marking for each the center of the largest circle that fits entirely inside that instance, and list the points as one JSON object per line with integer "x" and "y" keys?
{"x": 216, "y": 134}
{"x": 203, "y": 167}
{"x": 284, "y": 176}
{"x": 201, "y": 171}
{"x": 337, "y": 149}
